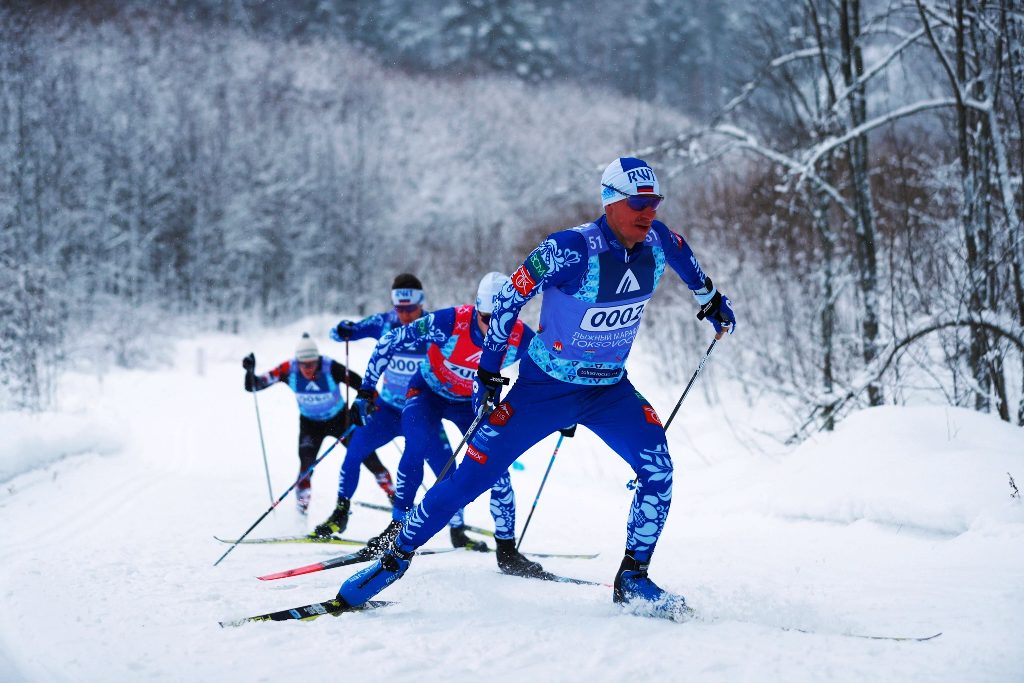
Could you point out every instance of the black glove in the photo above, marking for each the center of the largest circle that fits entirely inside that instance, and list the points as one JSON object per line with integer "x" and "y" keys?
{"x": 487, "y": 386}
{"x": 249, "y": 363}
{"x": 718, "y": 311}
{"x": 569, "y": 431}
{"x": 343, "y": 330}
{"x": 363, "y": 407}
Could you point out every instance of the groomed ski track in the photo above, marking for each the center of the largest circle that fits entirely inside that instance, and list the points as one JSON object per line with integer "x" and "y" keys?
{"x": 106, "y": 561}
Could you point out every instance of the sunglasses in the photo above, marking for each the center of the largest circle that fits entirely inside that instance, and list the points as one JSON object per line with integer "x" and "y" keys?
{"x": 309, "y": 364}
{"x": 407, "y": 309}
{"x": 638, "y": 202}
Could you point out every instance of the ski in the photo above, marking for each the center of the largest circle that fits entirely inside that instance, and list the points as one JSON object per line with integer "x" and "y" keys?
{"x": 548, "y": 576}
{"x": 857, "y": 635}
{"x": 361, "y": 555}
{"x": 374, "y": 506}
{"x": 310, "y": 612}
{"x": 296, "y": 539}
{"x": 485, "y": 532}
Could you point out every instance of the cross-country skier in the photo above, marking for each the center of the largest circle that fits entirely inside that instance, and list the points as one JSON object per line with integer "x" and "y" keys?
{"x": 443, "y": 388}
{"x": 315, "y": 379}
{"x": 597, "y": 279}
{"x": 407, "y": 299}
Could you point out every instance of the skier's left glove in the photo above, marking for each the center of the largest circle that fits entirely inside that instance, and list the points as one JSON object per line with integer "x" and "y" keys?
{"x": 719, "y": 312}
{"x": 363, "y": 408}
{"x": 342, "y": 331}
{"x": 249, "y": 363}
{"x": 487, "y": 387}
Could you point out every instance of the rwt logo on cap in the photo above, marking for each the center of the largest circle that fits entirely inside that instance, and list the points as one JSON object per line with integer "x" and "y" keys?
{"x": 640, "y": 174}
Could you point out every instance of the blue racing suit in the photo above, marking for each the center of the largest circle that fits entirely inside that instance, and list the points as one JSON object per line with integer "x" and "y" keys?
{"x": 595, "y": 294}
{"x": 387, "y": 421}
{"x": 441, "y": 389}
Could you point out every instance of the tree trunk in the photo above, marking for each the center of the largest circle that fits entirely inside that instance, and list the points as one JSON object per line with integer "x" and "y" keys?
{"x": 853, "y": 69}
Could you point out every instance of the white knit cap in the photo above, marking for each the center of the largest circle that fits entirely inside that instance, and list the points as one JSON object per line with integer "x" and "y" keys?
{"x": 629, "y": 176}
{"x": 488, "y": 291}
{"x": 306, "y": 349}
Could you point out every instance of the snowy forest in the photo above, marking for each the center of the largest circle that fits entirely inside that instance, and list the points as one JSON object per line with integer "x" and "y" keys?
{"x": 849, "y": 172}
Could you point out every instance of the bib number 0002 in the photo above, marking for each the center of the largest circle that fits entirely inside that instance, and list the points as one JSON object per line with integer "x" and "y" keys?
{"x": 613, "y": 317}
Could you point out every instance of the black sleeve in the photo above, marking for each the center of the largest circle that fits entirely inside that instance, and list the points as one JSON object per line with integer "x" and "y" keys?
{"x": 338, "y": 373}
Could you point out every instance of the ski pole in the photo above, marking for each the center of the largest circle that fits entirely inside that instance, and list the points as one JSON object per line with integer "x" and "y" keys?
{"x": 568, "y": 431}
{"x": 347, "y": 404}
{"x": 465, "y": 439}
{"x": 278, "y": 501}
{"x": 259, "y": 425}
{"x": 633, "y": 484}
{"x": 692, "y": 380}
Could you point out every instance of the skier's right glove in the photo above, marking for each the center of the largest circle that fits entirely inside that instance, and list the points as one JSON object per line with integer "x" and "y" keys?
{"x": 569, "y": 431}
{"x": 487, "y": 387}
{"x": 343, "y": 331}
{"x": 363, "y": 408}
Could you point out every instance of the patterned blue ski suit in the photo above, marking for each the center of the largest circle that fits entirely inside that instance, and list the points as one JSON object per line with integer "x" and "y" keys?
{"x": 430, "y": 399}
{"x": 595, "y": 294}
{"x": 387, "y": 421}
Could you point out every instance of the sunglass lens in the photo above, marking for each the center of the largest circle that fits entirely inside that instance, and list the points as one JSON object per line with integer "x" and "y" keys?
{"x": 638, "y": 203}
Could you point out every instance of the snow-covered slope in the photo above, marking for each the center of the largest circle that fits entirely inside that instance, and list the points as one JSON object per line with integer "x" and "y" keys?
{"x": 899, "y": 523}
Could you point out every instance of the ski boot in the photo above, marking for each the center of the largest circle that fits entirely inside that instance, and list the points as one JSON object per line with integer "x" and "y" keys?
{"x": 461, "y": 540}
{"x": 635, "y": 590}
{"x": 366, "y": 583}
{"x": 376, "y": 546}
{"x": 511, "y": 561}
{"x": 302, "y": 498}
{"x": 336, "y": 523}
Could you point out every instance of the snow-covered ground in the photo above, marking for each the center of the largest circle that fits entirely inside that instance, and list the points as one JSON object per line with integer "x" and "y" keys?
{"x": 900, "y": 523}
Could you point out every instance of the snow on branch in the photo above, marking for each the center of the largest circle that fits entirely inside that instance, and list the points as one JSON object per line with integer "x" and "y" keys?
{"x": 832, "y": 142}
{"x": 878, "y": 66}
{"x": 1003, "y": 327}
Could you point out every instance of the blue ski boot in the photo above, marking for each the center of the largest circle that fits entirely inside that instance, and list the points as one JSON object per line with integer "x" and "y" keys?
{"x": 366, "y": 583}
{"x": 642, "y": 596}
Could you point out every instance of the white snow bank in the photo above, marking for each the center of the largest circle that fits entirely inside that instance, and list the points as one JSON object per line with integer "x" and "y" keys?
{"x": 29, "y": 441}
{"x": 932, "y": 469}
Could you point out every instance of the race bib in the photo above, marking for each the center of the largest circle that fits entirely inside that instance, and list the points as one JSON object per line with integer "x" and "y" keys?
{"x": 404, "y": 365}
{"x": 611, "y": 318}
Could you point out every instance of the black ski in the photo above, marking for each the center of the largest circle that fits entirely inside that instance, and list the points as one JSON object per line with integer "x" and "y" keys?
{"x": 374, "y": 506}
{"x": 548, "y": 576}
{"x": 310, "y": 612}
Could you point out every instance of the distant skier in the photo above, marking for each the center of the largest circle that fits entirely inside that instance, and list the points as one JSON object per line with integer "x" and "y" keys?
{"x": 315, "y": 379}
{"x": 597, "y": 279}
{"x": 442, "y": 387}
{"x": 407, "y": 299}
